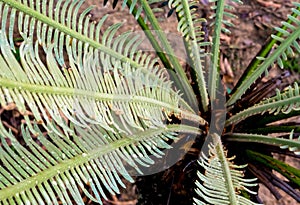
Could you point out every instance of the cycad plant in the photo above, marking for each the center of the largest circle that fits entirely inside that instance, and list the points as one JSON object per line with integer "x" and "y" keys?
{"x": 94, "y": 107}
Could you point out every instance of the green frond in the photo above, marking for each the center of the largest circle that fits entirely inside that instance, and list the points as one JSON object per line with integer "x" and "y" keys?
{"x": 266, "y": 49}
{"x": 287, "y": 45}
{"x": 285, "y": 33}
{"x": 226, "y": 14}
{"x": 220, "y": 20}
{"x": 103, "y": 106}
{"x": 92, "y": 93}
{"x": 97, "y": 87}
{"x": 180, "y": 74}
{"x": 164, "y": 51}
{"x": 190, "y": 26}
{"x": 283, "y": 102}
{"x": 292, "y": 144}
{"x": 222, "y": 180}
{"x": 71, "y": 33}
{"x": 60, "y": 167}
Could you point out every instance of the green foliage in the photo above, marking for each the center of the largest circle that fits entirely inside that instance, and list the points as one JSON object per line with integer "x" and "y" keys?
{"x": 286, "y": 40}
{"x": 292, "y": 173}
{"x": 222, "y": 180}
{"x": 292, "y": 63}
{"x": 190, "y": 26}
{"x": 95, "y": 107}
{"x": 283, "y": 102}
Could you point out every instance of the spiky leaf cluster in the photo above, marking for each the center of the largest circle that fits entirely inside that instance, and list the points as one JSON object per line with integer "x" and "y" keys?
{"x": 190, "y": 25}
{"x": 94, "y": 106}
{"x": 60, "y": 167}
{"x": 101, "y": 103}
{"x": 213, "y": 188}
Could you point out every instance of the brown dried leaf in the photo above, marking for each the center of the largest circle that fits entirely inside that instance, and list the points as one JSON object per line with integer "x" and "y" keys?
{"x": 269, "y": 4}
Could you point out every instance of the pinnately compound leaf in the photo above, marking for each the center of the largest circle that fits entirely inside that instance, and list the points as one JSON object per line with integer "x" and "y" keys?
{"x": 216, "y": 182}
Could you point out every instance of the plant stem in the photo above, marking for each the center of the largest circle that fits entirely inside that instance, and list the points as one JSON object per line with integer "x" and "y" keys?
{"x": 195, "y": 53}
{"x": 157, "y": 48}
{"x": 286, "y": 170}
{"x": 150, "y": 37}
{"x": 187, "y": 88}
{"x": 68, "y": 91}
{"x": 226, "y": 169}
{"x": 263, "y": 139}
{"x": 213, "y": 75}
